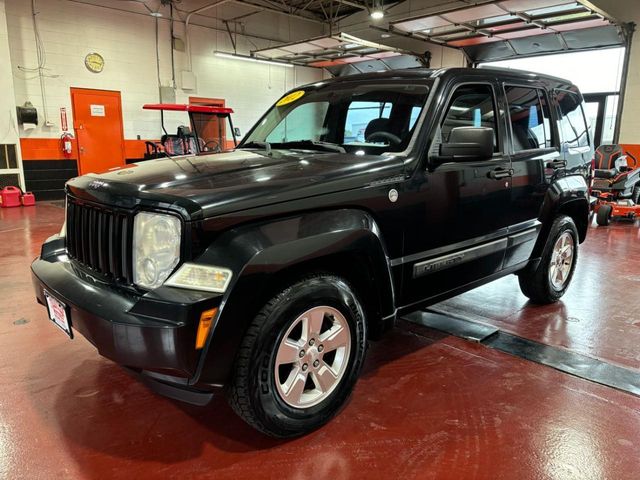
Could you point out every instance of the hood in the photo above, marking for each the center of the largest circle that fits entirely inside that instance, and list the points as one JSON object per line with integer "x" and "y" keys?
{"x": 209, "y": 185}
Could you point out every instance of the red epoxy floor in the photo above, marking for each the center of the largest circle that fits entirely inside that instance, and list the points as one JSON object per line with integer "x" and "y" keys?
{"x": 427, "y": 406}
{"x": 600, "y": 314}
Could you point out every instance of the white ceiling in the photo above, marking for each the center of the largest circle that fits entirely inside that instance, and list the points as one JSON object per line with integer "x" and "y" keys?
{"x": 290, "y": 21}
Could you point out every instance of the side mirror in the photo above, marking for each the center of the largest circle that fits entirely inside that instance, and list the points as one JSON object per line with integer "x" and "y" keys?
{"x": 236, "y": 132}
{"x": 468, "y": 144}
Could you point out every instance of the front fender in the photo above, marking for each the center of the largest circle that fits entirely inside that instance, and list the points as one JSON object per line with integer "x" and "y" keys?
{"x": 261, "y": 255}
{"x": 565, "y": 196}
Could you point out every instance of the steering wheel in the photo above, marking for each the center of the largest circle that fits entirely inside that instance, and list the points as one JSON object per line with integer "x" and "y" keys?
{"x": 390, "y": 137}
{"x": 215, "y": 147}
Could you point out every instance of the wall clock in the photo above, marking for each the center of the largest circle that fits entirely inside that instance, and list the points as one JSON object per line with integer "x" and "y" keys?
{"x": 94, "y": 62}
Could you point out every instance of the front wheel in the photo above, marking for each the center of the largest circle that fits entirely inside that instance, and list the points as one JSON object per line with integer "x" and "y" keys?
{"x": 603, "y": 217}
{"x": 300, "y": 358}
{"x": 551, "y": 278}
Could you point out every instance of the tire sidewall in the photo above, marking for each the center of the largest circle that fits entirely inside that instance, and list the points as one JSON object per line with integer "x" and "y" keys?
{"x": 561, "y": 225}
{"x": 603, "y": 218}
{"x": 318, "y": 291}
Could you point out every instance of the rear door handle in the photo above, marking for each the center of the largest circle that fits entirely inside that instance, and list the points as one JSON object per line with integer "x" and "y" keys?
{"x": 500, "y": 173}
{"x": 555, "y": 164}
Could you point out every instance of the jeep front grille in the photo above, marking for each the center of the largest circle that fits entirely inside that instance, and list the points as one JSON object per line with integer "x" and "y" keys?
{"x": 100, "y": 238}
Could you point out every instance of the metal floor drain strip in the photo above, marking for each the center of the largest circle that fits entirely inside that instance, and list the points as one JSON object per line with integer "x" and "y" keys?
{"x": 472, "y": 331}
{"x": 575, "y": 364}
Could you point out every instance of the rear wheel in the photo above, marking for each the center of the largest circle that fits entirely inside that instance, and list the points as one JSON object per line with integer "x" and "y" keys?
{"x": 603, "y": 217}
{"x": 551, "y": 278}
{"x": 635, "y": 196}
{"x": 300, "y": 358}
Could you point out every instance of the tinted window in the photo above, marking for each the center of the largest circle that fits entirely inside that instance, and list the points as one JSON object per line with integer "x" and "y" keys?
{"x": 470, "y": 106}
{"x": 359, "y": 115}
{"x": 572, "y": 125}
{"x": 415, "y": 114}
{"x": 529, "y": 115}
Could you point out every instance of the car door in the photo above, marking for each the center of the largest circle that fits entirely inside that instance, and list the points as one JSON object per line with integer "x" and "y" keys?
{"x": 535, "y": 160}
{"x": 458, "y": 228}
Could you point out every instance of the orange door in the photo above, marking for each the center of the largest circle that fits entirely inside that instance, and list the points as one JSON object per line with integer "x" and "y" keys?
{"x": 97, "y": 119}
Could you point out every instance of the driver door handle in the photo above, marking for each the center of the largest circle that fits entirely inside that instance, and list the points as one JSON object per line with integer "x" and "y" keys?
{"x": 500, "y": 173}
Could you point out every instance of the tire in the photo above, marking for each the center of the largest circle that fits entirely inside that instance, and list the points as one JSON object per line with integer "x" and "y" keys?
{"x": 635, "y": 196}
{"x": 603, "y": 217}
{"x": 263, "y": 372}
{"x": 537, "y": 283}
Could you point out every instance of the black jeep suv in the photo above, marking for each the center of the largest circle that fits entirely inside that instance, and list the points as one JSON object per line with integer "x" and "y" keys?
{"x": 351, "y": 202}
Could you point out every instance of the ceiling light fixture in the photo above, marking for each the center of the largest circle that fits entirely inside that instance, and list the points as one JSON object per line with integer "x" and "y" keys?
{"x": 235, "y": 56}
{"x": 377, "y": 12}
{"x": 156, "y": 14}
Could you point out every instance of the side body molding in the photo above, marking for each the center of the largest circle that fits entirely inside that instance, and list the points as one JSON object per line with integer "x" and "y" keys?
{"x": 266, "y": 255}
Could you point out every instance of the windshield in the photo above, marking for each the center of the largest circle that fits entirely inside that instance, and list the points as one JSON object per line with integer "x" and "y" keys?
{"x": 368, "y": 118}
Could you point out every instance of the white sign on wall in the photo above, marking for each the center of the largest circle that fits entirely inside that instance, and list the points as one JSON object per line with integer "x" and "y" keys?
{"x": 97, "y": 111}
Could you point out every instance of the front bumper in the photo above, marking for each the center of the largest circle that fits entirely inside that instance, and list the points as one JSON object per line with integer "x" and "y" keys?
{"x": 154, "y": 331}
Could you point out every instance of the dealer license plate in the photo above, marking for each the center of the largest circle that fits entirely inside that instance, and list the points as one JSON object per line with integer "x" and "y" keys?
{"x": 59, "y": 314}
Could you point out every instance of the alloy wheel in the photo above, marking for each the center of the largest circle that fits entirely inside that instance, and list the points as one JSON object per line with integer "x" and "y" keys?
{"x": 561, "y": 261}
{"x": 312, "y": 357}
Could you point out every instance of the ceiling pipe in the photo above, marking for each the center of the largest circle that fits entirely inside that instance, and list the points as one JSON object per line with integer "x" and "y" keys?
{"x": 188, "y": 19}
{"x": 218, "y": 3}
{"x": 279, "y": 12}
{"x": 354, "y": 4}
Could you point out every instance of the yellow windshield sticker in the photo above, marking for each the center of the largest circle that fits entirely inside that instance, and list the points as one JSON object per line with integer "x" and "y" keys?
{"x": 292, "y": 97}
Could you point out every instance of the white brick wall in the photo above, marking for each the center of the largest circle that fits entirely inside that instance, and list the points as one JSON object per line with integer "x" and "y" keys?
{"x": 127, "y": 42}
{"x": 630, "y": 124}
{"x": 8, "y": 127}
{"x": 8, "y": 124}
{"x": 628, "y": 11}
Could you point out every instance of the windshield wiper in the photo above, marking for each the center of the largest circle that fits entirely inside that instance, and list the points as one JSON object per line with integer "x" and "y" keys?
{"x": 313, "y": 145}
{"x": 253, "y": 144}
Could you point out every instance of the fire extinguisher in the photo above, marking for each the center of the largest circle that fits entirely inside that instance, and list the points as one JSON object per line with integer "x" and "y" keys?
{"x": 66, "y": 144}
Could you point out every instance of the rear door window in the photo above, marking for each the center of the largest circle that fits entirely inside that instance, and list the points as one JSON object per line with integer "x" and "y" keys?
{"x": 529, "y": 117}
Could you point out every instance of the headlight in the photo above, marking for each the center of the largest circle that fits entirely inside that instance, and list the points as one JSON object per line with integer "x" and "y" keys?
{"x": 156, "y": 248}
{"x": 201, "y": 277}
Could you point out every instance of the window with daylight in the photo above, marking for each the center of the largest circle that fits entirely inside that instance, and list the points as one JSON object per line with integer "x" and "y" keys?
{"x": 529, "y": 116}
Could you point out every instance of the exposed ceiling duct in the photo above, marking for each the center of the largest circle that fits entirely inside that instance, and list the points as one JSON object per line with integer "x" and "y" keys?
{"x": 342, "y": 54}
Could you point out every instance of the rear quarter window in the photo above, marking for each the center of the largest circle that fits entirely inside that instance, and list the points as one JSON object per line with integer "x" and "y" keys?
{"x": 572, "y": 124}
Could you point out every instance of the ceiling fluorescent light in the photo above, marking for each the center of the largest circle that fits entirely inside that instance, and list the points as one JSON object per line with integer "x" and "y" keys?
{"x": 377, "y": 14}
{"x": 246, "y": 58}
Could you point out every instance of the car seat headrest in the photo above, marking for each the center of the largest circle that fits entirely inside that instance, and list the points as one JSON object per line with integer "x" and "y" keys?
{"x": 184, "y": 131}
{"x": 377, "y": 125}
